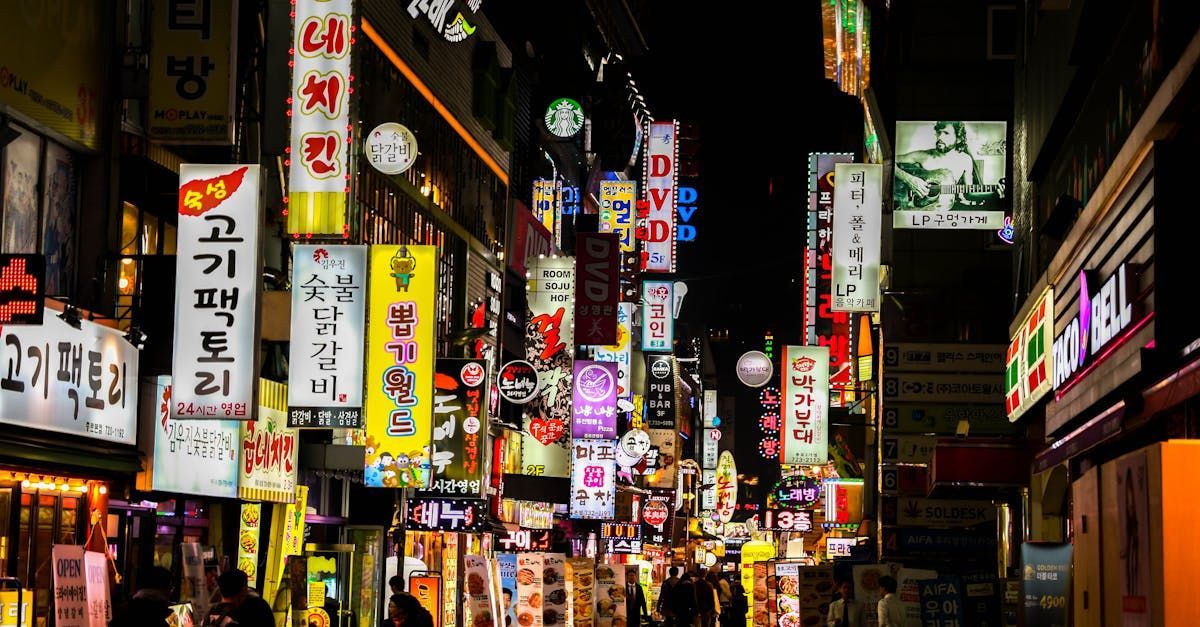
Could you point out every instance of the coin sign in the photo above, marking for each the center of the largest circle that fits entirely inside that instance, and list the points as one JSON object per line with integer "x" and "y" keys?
{"x": 517, "y": 382}
{"x": 391, "y": 148}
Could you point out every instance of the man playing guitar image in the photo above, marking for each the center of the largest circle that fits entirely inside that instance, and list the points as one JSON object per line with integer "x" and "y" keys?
{"x": 939, "y": 178}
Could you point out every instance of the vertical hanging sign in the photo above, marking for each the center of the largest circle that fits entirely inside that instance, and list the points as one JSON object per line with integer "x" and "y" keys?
{"x": 547, "y": 196}
{"x": 658, "y": 325}
{"x": 824, "y": 326}
{"x": 400, "y": 351}
{"x": 594, "y": 407}
{"x": 459, "y": 428}
{"x": 597, "y": 261}
{"x": 857, "y": 213}
{"x": 550, "y": 347}
{"x": 216, "y": 292}
{"x": 616, "y": 211}
{"x": 319, "y": 176}
{"x": 593, "y": 479}
{"x": 325, "y": 363}
{"x": 621, "y": 352}
{"x": 662, "y": 175}
{"x": 662, "y": 417}
{"x": 805, "y": 431}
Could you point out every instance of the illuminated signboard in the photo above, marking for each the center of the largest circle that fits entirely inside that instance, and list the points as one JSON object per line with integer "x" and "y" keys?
{"x": 617, "y": 200}
{"x": 785, "y": 520}
{"x": 445, "y": 515}
{"x": 550, "y": 347}
{"x": 593, "y": 479}
{"x": 658, "y": 325}
{"x": 844, "y": 501}
{"x": 523, "y": 540}
{"x": 839, "y": 547}
{"x": 805, "y": 430}
{"x": 597, "y": 262}
{"x": 794, "y": 492}
{"x": 460, "y": 388}
{"x": 620, "y": 353}
{"x": 661, "y": 189}
{"x": 547, "y": 202}
{"x": 1029, "y": 367}
{"x": 823, "y": 325}
{"x": 564, "y": 117}
{"x": 448, "y": 18}
{"x": 1105, "y": 310}
{"x": 621, "y": 538}
{"x": 685, "y": 231}
{"x": 318, "y": 180}
{"x": 950, "y": 175}
{"x": 22, "y": 289}
{"x": 858, "y": 206}
{"x": 768, "y": 422}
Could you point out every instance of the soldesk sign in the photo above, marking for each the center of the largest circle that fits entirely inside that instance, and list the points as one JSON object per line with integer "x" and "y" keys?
{"x": 944, "y": 513}
{"x": 1104, "y": 314}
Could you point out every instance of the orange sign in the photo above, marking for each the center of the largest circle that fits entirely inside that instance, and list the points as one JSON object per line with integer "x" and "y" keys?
{"x": 428, "y": 590}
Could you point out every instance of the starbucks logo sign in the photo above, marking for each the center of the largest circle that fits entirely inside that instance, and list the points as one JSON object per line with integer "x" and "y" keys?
{"x": 564, "y": 117}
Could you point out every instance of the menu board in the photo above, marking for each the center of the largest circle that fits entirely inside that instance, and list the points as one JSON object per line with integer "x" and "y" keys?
{"x": 815, "y": 592}
{"x": 761, "y": 595}
{"x": 507, "y": 563}
{"x": 554, "y": 600}
{"x": 529, "y": 589}
{"x": 248, "y": 532}
{"x": 583, "y": 599}
{"x": 610, "y": 595}
{"x": 480, "y": 603}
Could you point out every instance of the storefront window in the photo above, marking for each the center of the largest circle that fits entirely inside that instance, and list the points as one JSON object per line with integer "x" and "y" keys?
{"x": 41, "y": 202}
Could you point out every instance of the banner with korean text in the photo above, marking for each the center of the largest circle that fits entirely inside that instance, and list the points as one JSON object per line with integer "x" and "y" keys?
{"x": 824, "y": 325}
{"x": 857, "y": 214}
{"x": 400, "y": 353}
{"x": 325, "y": 363}
{"x": 662, "y": 174}
{"x": 617, "y": 199}
{"x": 270, "y": 450}
{"x": 217, "y": 274}
{"x": 597, "y": 261}
{"x": 658, "y": 325}
{"x": 459, "y": 428}
{"x": 593, "y": 479}
{"x": 594, "y": 406}
{"x": 621, "y": 352}
{"x": 805, "y": 379}
{"x": 550, "y": 347}
{"x": 192, "y": 69}
{"x": 547, "y": 198}
{"x": 319, "y": 178}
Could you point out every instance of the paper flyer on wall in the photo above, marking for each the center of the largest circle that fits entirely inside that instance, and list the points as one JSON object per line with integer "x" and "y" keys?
{"x": 529, "y": 590}
{"x": 610, "y": 595}
{"x": 480, "y": 603}
{"x": 554, "y": 593}
{"x": 866, "y": 586}
{"x": 583, "y": 592}
{"x": 909, "y": 591}
{"x": 507, "y": 564}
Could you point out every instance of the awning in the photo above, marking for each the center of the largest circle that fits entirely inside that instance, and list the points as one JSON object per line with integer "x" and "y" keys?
{"x": 84, "y": 459}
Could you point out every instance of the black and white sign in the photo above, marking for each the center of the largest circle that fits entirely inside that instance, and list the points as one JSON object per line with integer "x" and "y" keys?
{"x": 517, "y": 382}
{"x": 660, "y": 392}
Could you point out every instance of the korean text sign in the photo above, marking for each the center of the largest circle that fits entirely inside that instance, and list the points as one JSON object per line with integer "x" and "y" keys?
{"x": 805, "y": 378}
{"x": 191, "y": 456}
{"x": 547, "y": 198}
{"x": 950, "y": 175}
{"x": 320, "y": 112}
{"x": 658, "y": 325}
{"x": 270, "y": 452}
{"x": 597, "y": 261}
{"x": 857, "y": 214}
{"x": 445, "y": 515}
{"x": 191, "y": 72}
{"x": 593, "y": 479}
{"x": 594, "y": 412}
{"x": 76, "y": 381}
{"x": 80, "y": 597}
{"x": 400, "y": 356}
{"x": 620, "y": 352}
{"x": 662, "y": 174}
{"x": 325, "y": 365}
{"x": 459, "y": 428}
{"x": 824, "y": 325}
{"x": 216, "y": 292}
{"x": 617, "y": 200}
{"x": 550, "y": 347}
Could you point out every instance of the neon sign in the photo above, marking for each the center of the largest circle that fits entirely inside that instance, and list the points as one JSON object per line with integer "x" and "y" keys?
{"x": 1103, "y": 315}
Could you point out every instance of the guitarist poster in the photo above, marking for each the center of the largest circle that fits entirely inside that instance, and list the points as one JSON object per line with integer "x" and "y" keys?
{"x": 950, "y": 175}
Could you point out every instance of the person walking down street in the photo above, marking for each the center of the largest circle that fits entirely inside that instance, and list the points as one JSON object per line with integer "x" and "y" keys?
{"x": 739, "y": 605}
{"x": 150, "y": 604}
{"x": 663, "y": 605}
{"x": 891, "y": 613}
{"x": 706, "y": 599}
{"x": 683, "y": 602}
{"x": 635, "y": 604}
{"x": 238, "y": 605}
{"x": 846, "y": 612}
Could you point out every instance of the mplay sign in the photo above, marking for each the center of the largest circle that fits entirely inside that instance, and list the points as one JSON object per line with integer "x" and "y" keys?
{"x": 1103, "y": 314}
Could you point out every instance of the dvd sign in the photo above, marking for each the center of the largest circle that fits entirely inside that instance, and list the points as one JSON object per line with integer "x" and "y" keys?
{"x": 1104, "y": 314}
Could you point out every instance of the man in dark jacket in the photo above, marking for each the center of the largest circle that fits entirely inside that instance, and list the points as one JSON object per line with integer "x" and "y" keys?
{"x": 683, "y": 602}
{"x": 239, "y": 606}
{"x": 664, "y": 596}
{"x": 706, "y": 596}
{"x": 150, "y": 605}
{"x": 635, "y": 601}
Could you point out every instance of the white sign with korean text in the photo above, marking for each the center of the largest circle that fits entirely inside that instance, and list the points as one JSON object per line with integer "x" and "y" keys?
{"x": 216, "y": 292}
{"x": 593, "y": 479}
{"x": 75, "y": 596}
{"x": 320, "y": 95}
{"x": 857, "y": 217}
{"x": 805, "y": 379}
{"x": 325, "y": 368}
{"x": 391, "y": 148}
{"x": 75, "y": 381}
{"x": 193, "y": 457}
{"x": 658, "y": 327}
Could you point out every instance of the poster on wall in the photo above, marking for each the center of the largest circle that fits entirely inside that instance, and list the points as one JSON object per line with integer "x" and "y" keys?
{"x": 617, "y": 199}
{"x": 583, "y": 591}
{"x": 1046, "y": 583}
{"x": 941, "y": 600}
{"x": 597, "y": 262}
{"x": 320, "y": 115}
{"x": 70, "y": 587}
{"x": 610, "y": 595}
{"x": 507, "y": 566}
{"x": 815, "y": 585}
{"x": 325, "y": 361}
{"x": 1133, "y": 508}
{"x": 950, "y": 175}
{"x": 216, "y": 292}
{"x": 270, "y": 450}
{"x": 529, "y": 589}
{"x": 400, "y": 356}
{"x": 658, "y": 324}
{"x": 857, "y": 229}
{"x": 480, "y": 604}
{"x": 427, "y": 587}
{"x": 593, "y": 479}
{"x": 594, "y": 410}
{"x": 550, "y": 347}
{"x": 459, "y": 428}
{"x": 554, "y": 590}
{"x": 787, "y": 593}
{"x": 621, "y": 352}
{"x": 866, "y": 586}
{"x": 805, "y": 429}
{"x": 661, "y": 190}
{"x": 192, "y": 456}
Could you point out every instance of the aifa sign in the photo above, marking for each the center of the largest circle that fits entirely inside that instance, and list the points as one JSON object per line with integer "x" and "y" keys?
{"x": 1103, "y": 314}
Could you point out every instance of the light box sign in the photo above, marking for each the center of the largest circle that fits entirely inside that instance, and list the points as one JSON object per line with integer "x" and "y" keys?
{"x": 727, "y": 486}
{"x": 216, "y": 292}
{"x": 270, "y": 450}
{"x": 662, "y": 174}
{"x": 824, "y": 326}
{"x": 943, "y": 388}
{"x": 858, "y": 207}
{"x": 1029, "y": 367}
{"x": 950, "y": 175}
{"x": 400, "y": 356}
{"x": 658, "y": 326}
{"x": 594, "y": 411}
{"x": 786, "y": 520}
{"x": 79, "y": 382}
{"x": 621, "y": 352}
{"x": 190, "y": 456}
{"x": 523, "y": 540}
{"x": 22, "y": 289}
{"x": 1105, "y": 311}
{"x": 192, "y": 72}
{"x": 550, "y": 347}
{"x": 805, "y": 433}
{"x": 617, "y": 200}
{"x": 459, "y": 428}
{"x": 685, "y": 231}
{"x": 621, "y": 538}
{"x": 597, "y": 261}
{"x": 325, "y": 362}
{"x": 547, "y": 197}
{"x": 658, "y": 510}
{"x": 458, "y": 515}
{"x": 318, "y": 177}
{"x": 593, "y": 479}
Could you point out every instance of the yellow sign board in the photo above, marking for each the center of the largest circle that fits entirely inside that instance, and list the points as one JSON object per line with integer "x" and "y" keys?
{"x": 400, "y": 355}
{"x": 8, "y": 608}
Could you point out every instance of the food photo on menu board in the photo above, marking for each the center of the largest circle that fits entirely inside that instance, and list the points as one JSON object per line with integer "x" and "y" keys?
{"x": 583, "y": 592}
{"x": 529, "y": 590}
{"x": 554, "y": 592}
